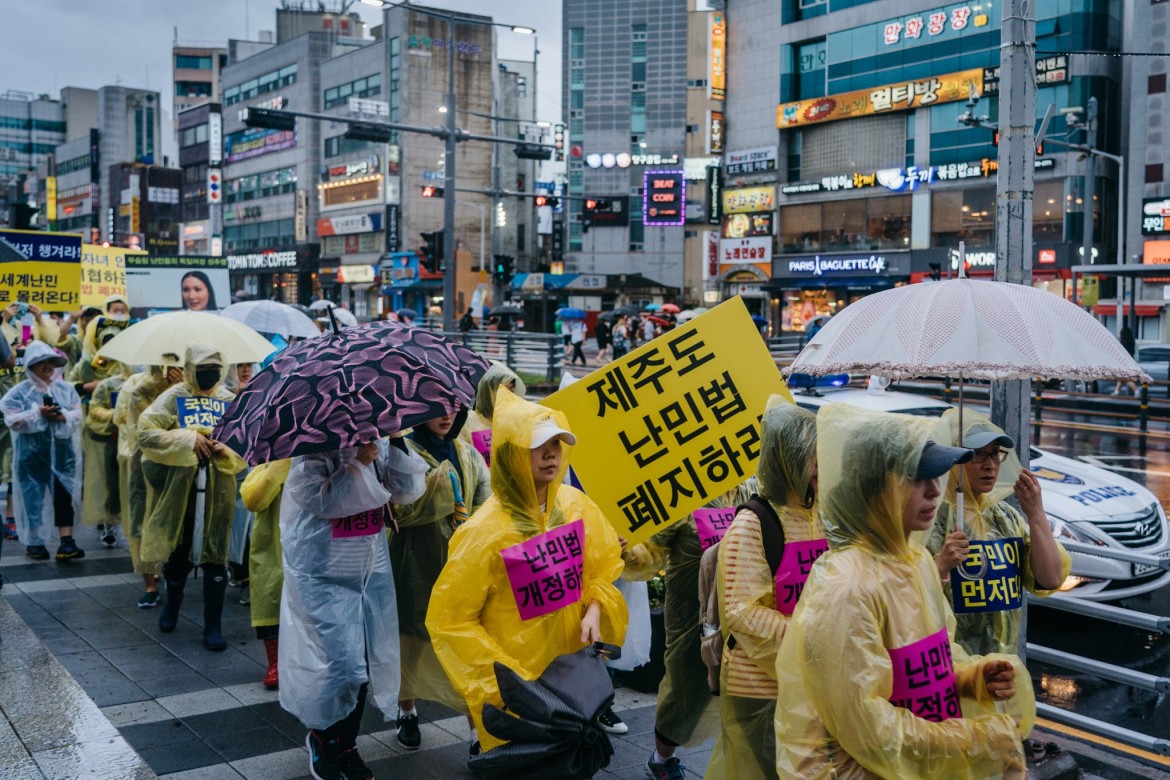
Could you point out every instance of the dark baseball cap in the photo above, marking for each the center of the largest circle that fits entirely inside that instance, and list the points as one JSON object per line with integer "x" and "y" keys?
{"x": 982, "y": 433}
{"x": 937, "y": 459}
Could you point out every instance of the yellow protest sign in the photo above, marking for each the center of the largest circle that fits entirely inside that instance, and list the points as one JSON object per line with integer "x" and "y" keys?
{"x": 103, "y": 272}
{"x": 40, "y": 268}
{"x": 674, "y": 423}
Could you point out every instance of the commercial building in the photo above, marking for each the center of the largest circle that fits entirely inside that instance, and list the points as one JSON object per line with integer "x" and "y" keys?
{"x": 31, "y": 127}
{"x": 847, "y": 135}
{"x": 148, "y": 208}
{"x": 201, "y": 159}
{"x": 197, "y": 72}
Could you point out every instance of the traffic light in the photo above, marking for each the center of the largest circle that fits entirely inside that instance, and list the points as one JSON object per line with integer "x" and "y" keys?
{"x": 22, "y": 216}
{"x": 366, "y": 132}
{"x": 547, "y": 200}
{"x": 431, "y": 191}
{"x": 995, "y": 142}
{"x": 432, "y": 250}
{"x": 532, "y": 152}
{"x": 503, "y": 268}
{"x": 559, "y": 142}
{"x": 269, "y": 119}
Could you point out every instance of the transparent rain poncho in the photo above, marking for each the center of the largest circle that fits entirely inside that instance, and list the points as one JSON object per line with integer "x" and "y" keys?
{"x": 473, "y": 619}
{"x": 876, "y": 592}
{"x": 418, "y": 552}
{"x": 987, "y": 517}
{"x": 170, "y": 466}
{"x": 42, "y": 451}
{"x": 746, "y": 592}
{"x": 261, "y": 494}
{"x": 13, "y": 332}
{"x": 685, "y": 713}
{"x": 338, "y": 617}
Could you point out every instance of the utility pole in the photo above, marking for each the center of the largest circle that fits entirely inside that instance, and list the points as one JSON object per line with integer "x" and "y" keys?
{"x": 1090, "y": 185}
{"x": 1011, "y": 400}
{"x": 449, "y": 185}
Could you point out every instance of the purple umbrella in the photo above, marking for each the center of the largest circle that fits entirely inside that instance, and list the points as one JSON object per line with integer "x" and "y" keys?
{"x": 343, "y": 389}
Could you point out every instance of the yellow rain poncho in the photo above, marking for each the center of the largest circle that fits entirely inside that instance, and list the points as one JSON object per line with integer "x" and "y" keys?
{"x": 480, "y": 418}
{"x": 473, "y": 617}
{"x": 876, "y": 592}
{"x": 169, "y": 464}
{"x": 988, "y": 517}
{"x": 684, "y": 714}
{"x": 138, "y": 393}
{"x": 418, "y": 552}
{"x": 101, "y": 499}
{"x": 261, "y": 494}
{"x": 746, "y": 593}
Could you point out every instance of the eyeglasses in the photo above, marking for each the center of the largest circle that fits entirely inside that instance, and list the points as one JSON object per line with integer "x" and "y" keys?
{"x": 982, "y": 456}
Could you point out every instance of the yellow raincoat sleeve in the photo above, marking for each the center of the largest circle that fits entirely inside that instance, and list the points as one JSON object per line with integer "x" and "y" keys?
{"x": 437, "y": 501}
{"x": 644, "y": 561}
{"x": 603, "y": 566}
{"x": 848, "y": 676}
{"x": 163, "y": 442}
{"x": 100, "y": 419}
{"x": 264, "y": 484}
{"x": 748, "y": 608}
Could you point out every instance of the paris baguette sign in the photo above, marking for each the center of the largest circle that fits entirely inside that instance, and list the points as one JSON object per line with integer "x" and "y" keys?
{"x": 851, "y": 265}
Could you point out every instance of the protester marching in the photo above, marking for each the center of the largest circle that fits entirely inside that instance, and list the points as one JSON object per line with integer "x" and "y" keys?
{"x": 412, "y": 527}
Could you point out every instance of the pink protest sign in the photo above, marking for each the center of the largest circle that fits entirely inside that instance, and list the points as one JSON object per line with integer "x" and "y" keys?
{"x": 795, "y": 564}
{"x": 924, "y": 678}
{"x": 482, "y": 441}
{"x": 545, "y": 571}
{"x": 712, "y": 524}
{"x": 365, "y": 523}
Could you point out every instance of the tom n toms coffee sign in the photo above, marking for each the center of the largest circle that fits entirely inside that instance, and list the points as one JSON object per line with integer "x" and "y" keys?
{"x": 262, "y": 261}
{"x": 821, "y": 266}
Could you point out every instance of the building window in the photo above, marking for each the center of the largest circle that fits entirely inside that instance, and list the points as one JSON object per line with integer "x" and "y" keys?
{"x": 190, "y": 62}
{"x": 261, "y": 185}
{"x": 192, "y": 89}
{"x": 1157, "y": 83}
{"x": 963, "y": 215}
{"x": 260, "y": 235}
{"x": 810, "y": 69}
{"x": 339, "y": 145}
{"x": 1048, "y": 211}
{"x": 1154, "y": 174}
{"x": 696, "y": 83}
{"x": 360, "y": 88}
{"x": 269, "y": 82}
{"x": 192, "y": 136}
{"x": 846, "y": 225}
{"x": 394, "y": 71}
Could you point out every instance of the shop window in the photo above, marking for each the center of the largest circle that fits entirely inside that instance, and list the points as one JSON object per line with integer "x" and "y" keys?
{"x": 963, "y": 215}
{"x": 1048, "y": 211}
{"x": 800, "y": 228}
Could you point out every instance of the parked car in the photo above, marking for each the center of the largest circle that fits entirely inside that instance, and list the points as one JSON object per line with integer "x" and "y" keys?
{"x": 1154, "y": 359}
{"x": 1084, "y": 503}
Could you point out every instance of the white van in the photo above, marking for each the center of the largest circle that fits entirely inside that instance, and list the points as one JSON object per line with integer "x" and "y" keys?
{"x": 1084, "y": 503}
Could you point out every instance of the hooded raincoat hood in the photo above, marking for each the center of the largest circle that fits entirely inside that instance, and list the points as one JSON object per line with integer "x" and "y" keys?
{"x": 485, "y": 392}
{"x": 197, "y": 354}
{"x": 787, "y": 453}
{"x": 512, "y": 482}
{"x": 1009, "y": 470}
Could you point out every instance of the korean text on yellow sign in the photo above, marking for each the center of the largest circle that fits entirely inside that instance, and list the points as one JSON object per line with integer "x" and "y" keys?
{"x": 200, "y": 412}
{"x": 674, "y": 423}
{"x": 748, "y": 200}
{"x": 103, "y": 272}
{"x": 40, "y": 268}
{"x": 903, "y": 96}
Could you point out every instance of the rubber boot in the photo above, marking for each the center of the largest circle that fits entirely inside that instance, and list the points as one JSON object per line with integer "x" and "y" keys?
{"x": 214, "y": 587}
{"x": 272, "y": 676}
{"x": 168, "y": 618}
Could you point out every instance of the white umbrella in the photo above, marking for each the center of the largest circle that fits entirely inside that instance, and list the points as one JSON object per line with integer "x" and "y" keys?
{"x": 272, "y": 317}
{"x": 147, "y": 341}
{"x": 320, "y": 305}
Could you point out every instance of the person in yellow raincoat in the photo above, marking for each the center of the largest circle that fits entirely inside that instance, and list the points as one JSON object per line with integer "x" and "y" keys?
{"x": 174, "y": 452}
{"x": 99, "y": 497}
{"x": 474, "y": 617}
{"x": 261, "y": 494}
{"x": 100, "y": 445}
{"x": 871, "y": 684}
{"x": 683, "y": 715}
{"x": 138, "y": 392}
{"x": 477, "y": 430}
{"x": 458, "y": 484}
{"x": 755, "y": 604}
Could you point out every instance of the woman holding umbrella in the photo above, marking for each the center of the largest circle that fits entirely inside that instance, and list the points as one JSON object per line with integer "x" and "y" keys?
{"x": 191, "y": 484}
{"x": 472, "y": 628}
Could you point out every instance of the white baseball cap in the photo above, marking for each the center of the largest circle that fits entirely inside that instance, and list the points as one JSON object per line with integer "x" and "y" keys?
{"x": 545, "y": 430}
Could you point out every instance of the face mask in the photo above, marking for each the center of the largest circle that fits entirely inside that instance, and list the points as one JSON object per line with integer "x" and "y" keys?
{"x": 206, "y": 378}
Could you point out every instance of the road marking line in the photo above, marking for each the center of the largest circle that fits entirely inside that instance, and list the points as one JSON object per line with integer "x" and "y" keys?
{"x": 1093, "y": 739}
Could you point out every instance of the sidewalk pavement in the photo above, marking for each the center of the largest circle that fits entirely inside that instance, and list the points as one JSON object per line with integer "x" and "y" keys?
{"x": 90, "y": 688}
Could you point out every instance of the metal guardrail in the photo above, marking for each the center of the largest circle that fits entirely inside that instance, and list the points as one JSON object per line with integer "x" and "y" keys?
{"x": 1126, "y": 617}
{"x": 1147, "y": 682}
{"x": 1115, "y": 554}
{"x": 1135, "y": 738}
{"x": 537, "y": 354}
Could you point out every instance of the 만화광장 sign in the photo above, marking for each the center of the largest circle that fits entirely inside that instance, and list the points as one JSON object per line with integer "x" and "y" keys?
{"x": 671, "y": 425}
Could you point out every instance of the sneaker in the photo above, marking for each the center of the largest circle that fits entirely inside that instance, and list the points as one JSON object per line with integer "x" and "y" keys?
{"x": 324, "y": 757}
{"x": 246, "y": 596}
{"x": 10, "y": 530}
{"x": 670, "y": 769}
{"x": 69, "y": 550}
{"x": 37, "y": 552}
{"x": 611, "y": 722}
{"x": 353, "y": 767}
{"x": 108, "y": 537}
{"x": 408, "y": 734}
{"x": 149, "y": 600}
{"x": 474, "y": 750}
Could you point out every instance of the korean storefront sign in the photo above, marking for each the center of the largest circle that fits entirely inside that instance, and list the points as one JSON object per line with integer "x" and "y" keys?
{"x": 365, "y": 167}
{"x": 751, "y": 160}
{"x": 1155, "y": 216}
{"x": 253, "y": 142}
{"x": 717, "y": 79}
{"x": 936, "y": 24}
{"x": 354, "y": 223}
{"x": 40, "y": 268}
{"x": 714, "y": 132}
{"x": 664, "y": 198}
{"x": 263, "y": 261}
{"x": 625, "y": 159}
{"x": 903, "y": 96}
{"x": 843, "y": 265}
{"x": 905, "y": 179}
{"x": 670, "y": 426}
{"x": 737, "y": 251}
{"x": 748, "y": 225}
{"x": 1050, "y": 71}
{"x": 749, "y": 199}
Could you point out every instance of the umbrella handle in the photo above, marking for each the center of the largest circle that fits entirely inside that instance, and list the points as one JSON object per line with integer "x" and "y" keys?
{"x": 333, "y": 319}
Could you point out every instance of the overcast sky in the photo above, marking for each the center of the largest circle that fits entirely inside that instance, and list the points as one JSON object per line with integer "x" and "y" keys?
{"x": 92, "y": 43}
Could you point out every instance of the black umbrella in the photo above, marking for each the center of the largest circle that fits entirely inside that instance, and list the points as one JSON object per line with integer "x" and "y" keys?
{"x": 508, "y": 310}
{"x": 406, "y": 314}
{"x": 627, "y": 311}
{"x": 550, "y": 723}
{"x": 607, "y": 315}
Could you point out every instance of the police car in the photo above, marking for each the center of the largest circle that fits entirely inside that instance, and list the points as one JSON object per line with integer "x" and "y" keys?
{"x": 1084, "y": 503}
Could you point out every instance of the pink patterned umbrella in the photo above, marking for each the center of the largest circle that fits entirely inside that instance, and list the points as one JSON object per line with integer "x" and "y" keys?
{"x": 970, "y": 328}
{"x": 352, "y": 387}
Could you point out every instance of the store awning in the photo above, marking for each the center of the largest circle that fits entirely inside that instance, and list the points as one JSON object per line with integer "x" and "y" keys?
{"x": 1143, "y": 310}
